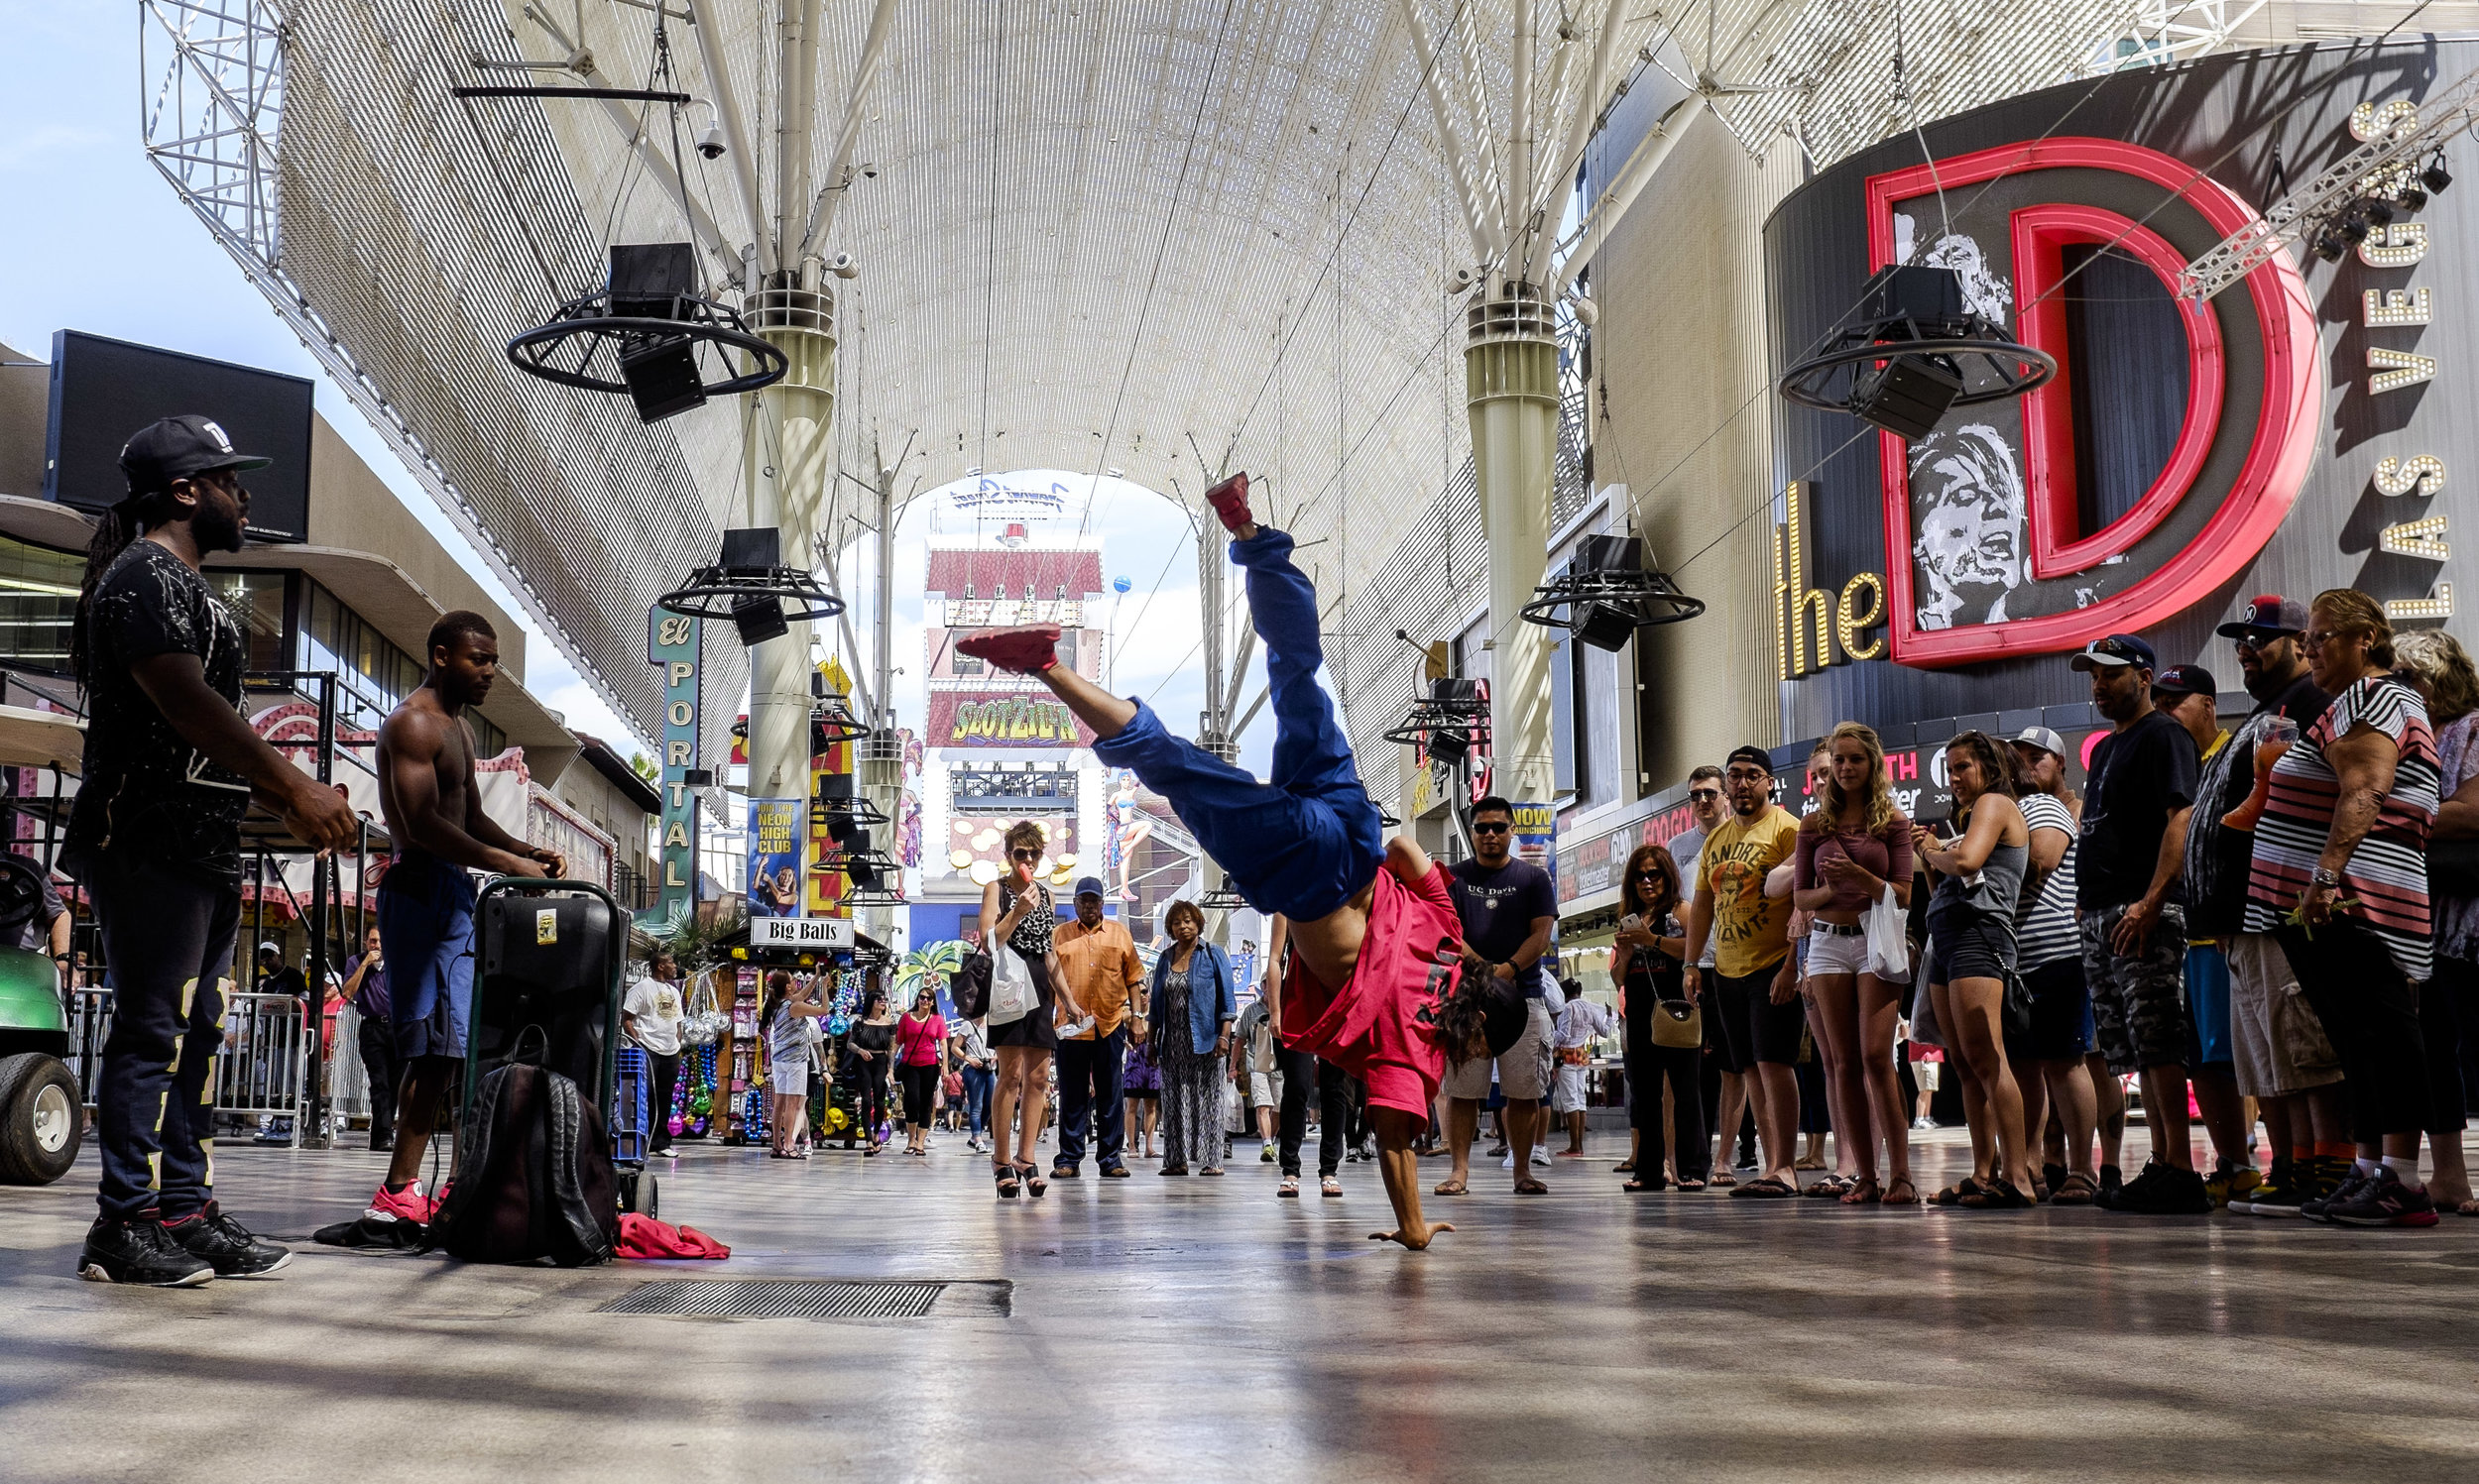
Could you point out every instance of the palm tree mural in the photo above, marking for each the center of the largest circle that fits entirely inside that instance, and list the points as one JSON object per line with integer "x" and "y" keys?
{"x": 943, "y": 959}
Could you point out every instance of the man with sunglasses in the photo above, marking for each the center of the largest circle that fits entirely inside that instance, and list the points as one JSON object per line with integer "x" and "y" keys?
{"x": 2279, "y": 1053}
{"x": 1374, "y": 983}
{"x": 1755, "y": 977}
{"x": 1509, "y": 909}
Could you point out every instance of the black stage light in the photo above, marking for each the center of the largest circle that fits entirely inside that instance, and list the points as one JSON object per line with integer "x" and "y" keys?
{"x": 2379, "y": 212}
{"x": 2329, "y": 246}
{"x": 1609, "y": 554}
{"x": 841, "y": 828}
{"x": 1931, "y": 297}
{"x": 753, "y": 548}
{"x": 2353, "y": 225}
{"x": 1604, "y": 627}
{"x": 1449, "y": 746}
{"x": 661, "y": 377}
{"x": 2411, "y": 198}
{"x": 1906, "y": 394}
{"x": 760, "y": 619}
{"x": 697, "y": 778}
{"x": 835, "y": 785}
{"x": 650, "y": 278}
{"x": 2435, "y": 176}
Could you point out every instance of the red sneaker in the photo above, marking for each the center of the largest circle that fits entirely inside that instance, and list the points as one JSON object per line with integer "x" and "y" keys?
{"x": 1230, "y": 500}
{"x": 406, "y": 1204}
{"x": 1027, "y": 650}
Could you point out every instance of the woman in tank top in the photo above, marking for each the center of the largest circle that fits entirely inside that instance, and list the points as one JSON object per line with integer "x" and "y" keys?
{"x": 1971, "y": 925}
{"x": 1854, "y": 846}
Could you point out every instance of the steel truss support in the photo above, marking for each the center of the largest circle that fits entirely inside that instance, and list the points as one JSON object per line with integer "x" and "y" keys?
{"x": 211, "y": 79}
{"x": 2167, "y": 32}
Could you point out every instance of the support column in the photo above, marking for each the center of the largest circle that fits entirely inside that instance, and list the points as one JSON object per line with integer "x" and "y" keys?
{"x": 1214, "y": 722}
{"x": 1510, "y": 389}
{"x": 789, "y": 460}
{"x": 879, "y": 770}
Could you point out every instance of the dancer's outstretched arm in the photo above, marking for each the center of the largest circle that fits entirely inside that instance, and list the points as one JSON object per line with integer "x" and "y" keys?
{"x": 1105, "y": 713}
{"x": 1409, "y": 862}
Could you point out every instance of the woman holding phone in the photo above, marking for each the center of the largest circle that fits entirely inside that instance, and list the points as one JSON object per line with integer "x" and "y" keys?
{"x": 1646, "y": 964}
{"x": 1017, "y": 911}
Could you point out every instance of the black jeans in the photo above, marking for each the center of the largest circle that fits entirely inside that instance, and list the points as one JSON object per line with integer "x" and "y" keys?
{"x": 664, "y": 1073}
{"x": 1334, "y": 1109}
{"x": 383, "y": 1067}
{"x": 1089, "y": 1077}
{"x": 1684, "y": 1066}
{"x": 2370, "y": 1009}
{"x": 167, "y": 946}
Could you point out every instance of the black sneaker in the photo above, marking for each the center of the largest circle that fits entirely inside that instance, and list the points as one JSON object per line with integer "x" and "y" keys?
{"x": 2337, "y": 1181}
{"x": 2271, "y": 1187}
{"x": 140, "y": 1252}
{"x": 226, "y": 1243}
{"x": 2164, "y": 1190}
{"x": 2112, "y": 1181}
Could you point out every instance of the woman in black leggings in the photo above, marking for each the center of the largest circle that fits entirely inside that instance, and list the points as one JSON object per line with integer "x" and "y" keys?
{"x": 1646, "y": 965}
{"x": 866, "y": 1057}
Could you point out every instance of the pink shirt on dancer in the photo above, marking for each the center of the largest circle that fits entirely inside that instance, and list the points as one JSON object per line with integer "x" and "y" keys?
{"x": 1380, "y": 1025}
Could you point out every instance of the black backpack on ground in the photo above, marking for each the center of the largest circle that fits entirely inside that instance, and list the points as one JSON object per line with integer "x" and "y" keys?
{"x": 533, "y": 1175}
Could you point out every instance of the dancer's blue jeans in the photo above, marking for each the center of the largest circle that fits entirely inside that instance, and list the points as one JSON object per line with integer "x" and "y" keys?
{"x": 1308, "y": 840}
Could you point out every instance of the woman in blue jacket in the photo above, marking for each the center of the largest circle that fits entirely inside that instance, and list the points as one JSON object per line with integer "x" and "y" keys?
{"x": 1194, "y": 1003}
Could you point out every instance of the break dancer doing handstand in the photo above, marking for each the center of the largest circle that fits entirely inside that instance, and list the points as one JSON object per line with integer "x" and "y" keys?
{"x": 1373, "y": 983}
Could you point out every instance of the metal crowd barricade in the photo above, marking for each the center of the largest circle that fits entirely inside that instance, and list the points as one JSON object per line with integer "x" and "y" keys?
{"x": 260, "y": 1067}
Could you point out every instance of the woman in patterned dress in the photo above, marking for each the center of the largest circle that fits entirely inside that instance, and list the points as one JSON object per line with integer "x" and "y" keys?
{"x": 1017, "y": 910}
{"x": 1194, "y": 1004}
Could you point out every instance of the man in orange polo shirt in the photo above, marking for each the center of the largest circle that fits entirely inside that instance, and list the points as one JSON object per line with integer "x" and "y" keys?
{"x": 1104, "y": 976}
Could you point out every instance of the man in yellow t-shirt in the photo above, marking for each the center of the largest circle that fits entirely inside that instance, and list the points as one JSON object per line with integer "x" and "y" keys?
{"x": 1755, "y": 1007}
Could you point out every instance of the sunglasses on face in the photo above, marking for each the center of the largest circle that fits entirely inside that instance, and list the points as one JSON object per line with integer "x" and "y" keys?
{"x": 1024, "y": 854}
{"x": 1491, "y": 829}
{"x": 1648, "y": 876}
{"x": 1703, "y": 795}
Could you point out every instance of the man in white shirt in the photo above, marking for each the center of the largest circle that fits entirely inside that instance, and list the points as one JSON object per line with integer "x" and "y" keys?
{"x": 653, "y": 1016}
{"x": 1579, "y": 1022}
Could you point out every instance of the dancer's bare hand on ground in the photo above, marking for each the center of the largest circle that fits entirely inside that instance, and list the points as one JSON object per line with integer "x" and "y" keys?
{"x": 1414, "y": 1238}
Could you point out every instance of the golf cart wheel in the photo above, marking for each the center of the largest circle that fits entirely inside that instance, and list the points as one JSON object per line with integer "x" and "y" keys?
{"x": 42, "y": 1122}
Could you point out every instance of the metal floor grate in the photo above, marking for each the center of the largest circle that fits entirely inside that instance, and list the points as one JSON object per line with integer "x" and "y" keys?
{"x": 780, "y": 1299}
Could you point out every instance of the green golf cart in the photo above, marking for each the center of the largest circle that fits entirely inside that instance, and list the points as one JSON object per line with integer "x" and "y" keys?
{"x": 42, "y": 1119}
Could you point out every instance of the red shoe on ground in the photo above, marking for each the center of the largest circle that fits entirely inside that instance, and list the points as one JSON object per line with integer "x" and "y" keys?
{"x": 406, "y": 1204}
{"x": 1027, "y": 650}
{"x": 1230, "y": 500}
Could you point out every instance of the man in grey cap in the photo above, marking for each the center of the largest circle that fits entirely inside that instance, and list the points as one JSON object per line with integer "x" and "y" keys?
{"x": 1105, "y": 979}
{"x": 169, "y": 768}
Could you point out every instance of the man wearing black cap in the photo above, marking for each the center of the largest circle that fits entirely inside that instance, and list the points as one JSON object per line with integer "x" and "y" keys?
{"x": 1105, "y": 979}
{"x": 2141, "y": 789}
{"x": 154, "y": 836}
{"x": 2278, "y": 1052}
{"x": 2190, "y": 696}
{"x": 1756, "y": 1008}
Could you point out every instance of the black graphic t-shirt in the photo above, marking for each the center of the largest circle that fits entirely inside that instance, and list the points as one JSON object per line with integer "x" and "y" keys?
{"x": 2139, "y": 777}
{"x": 1498, "y": 909}
{"x": 144, "y": 787}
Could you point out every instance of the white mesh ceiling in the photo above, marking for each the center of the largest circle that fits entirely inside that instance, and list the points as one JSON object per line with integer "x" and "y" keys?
{"x": 1100, "y": 235}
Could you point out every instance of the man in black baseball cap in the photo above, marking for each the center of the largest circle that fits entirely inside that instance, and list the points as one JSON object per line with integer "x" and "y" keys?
{"x": 154, "y": 836}
{"x": 2269, "y": 661}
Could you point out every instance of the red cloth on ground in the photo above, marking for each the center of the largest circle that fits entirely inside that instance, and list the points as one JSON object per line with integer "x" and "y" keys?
{"x": 644, "y": 1239}
{"x": 1380, "y": 1024}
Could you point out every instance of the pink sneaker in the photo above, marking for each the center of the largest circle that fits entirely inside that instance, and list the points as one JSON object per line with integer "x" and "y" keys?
{"x": 406, "y": 1204}
{"x": 1027, "y": 650}
{"x": 1230, "y": 500}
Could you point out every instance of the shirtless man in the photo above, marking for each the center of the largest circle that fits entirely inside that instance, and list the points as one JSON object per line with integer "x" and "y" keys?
{"x": 425, "y": 900}
{"x": 1372, "y": 984}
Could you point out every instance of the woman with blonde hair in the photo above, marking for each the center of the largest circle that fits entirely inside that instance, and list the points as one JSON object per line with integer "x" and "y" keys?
{"x": 1854, "y": 849}
{"x": 2444, "y": 676}
{"x": 1017, "y": 912}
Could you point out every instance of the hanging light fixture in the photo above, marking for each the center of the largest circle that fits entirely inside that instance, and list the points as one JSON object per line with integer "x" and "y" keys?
{"x": 1915, "y": 351}
{"x": 647, "y": 333}
{"x": 750, "y": 585}
{"x": 1606, "y": 595}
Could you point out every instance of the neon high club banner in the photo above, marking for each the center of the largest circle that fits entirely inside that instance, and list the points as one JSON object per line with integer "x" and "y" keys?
{"x": 774, "y": 857}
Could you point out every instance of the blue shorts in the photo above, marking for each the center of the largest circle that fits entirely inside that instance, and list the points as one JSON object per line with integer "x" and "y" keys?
{"x": 425, "y": 932}
{"x": 2208, "y": 1003}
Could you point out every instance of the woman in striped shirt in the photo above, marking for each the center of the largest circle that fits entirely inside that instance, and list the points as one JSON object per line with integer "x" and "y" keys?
{"x": 2339, "y": 875}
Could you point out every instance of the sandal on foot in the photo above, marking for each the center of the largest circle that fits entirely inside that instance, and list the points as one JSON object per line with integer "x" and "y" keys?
{"x": 1766, "y": 1189}
{"x": 1641, "y": 1187}
{"x": 2075, "y": 1189}
{"x": 1953, "y": 1194}
{"x": 1995, "y": 1194}
{"x": 1450, "y": 1187}
{"x": 1328, "y": 1186}
{"x": 1863, "y": 1192}
{"x": 1009, "y": 1184}
{"x": 1289, "y": 1188}
{"x": 1902, "y": 1182}
{"x": 1832, "y": 1187}
{"x": 1689, "y": 1182}
{"x": 1530, "y": 1187}
{"x": 1626, "y": 1167}
{"x": 1034, "y": 1185}
{"x": 1723, "y": 1179}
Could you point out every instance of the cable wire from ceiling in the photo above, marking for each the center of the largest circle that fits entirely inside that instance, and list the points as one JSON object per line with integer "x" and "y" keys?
{"x": 990, "y": 268}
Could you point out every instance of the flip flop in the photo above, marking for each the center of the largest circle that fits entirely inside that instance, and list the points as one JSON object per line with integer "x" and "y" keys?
{"x": 1723, "y": 1179}
{"x": 1863, "y": 1192}
{"x": 1290, "y": 1187}
{"x": 1766, "y": 1189}
{"x": 1450, "y": 1187}
{"x": 1832, "y": 1187}
{"x": 1330, "y": 1187}
{"x": 1953, "y": 1194}
{"x": 1900, "y": 1182}
{"x": 1530, "y": 1187}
